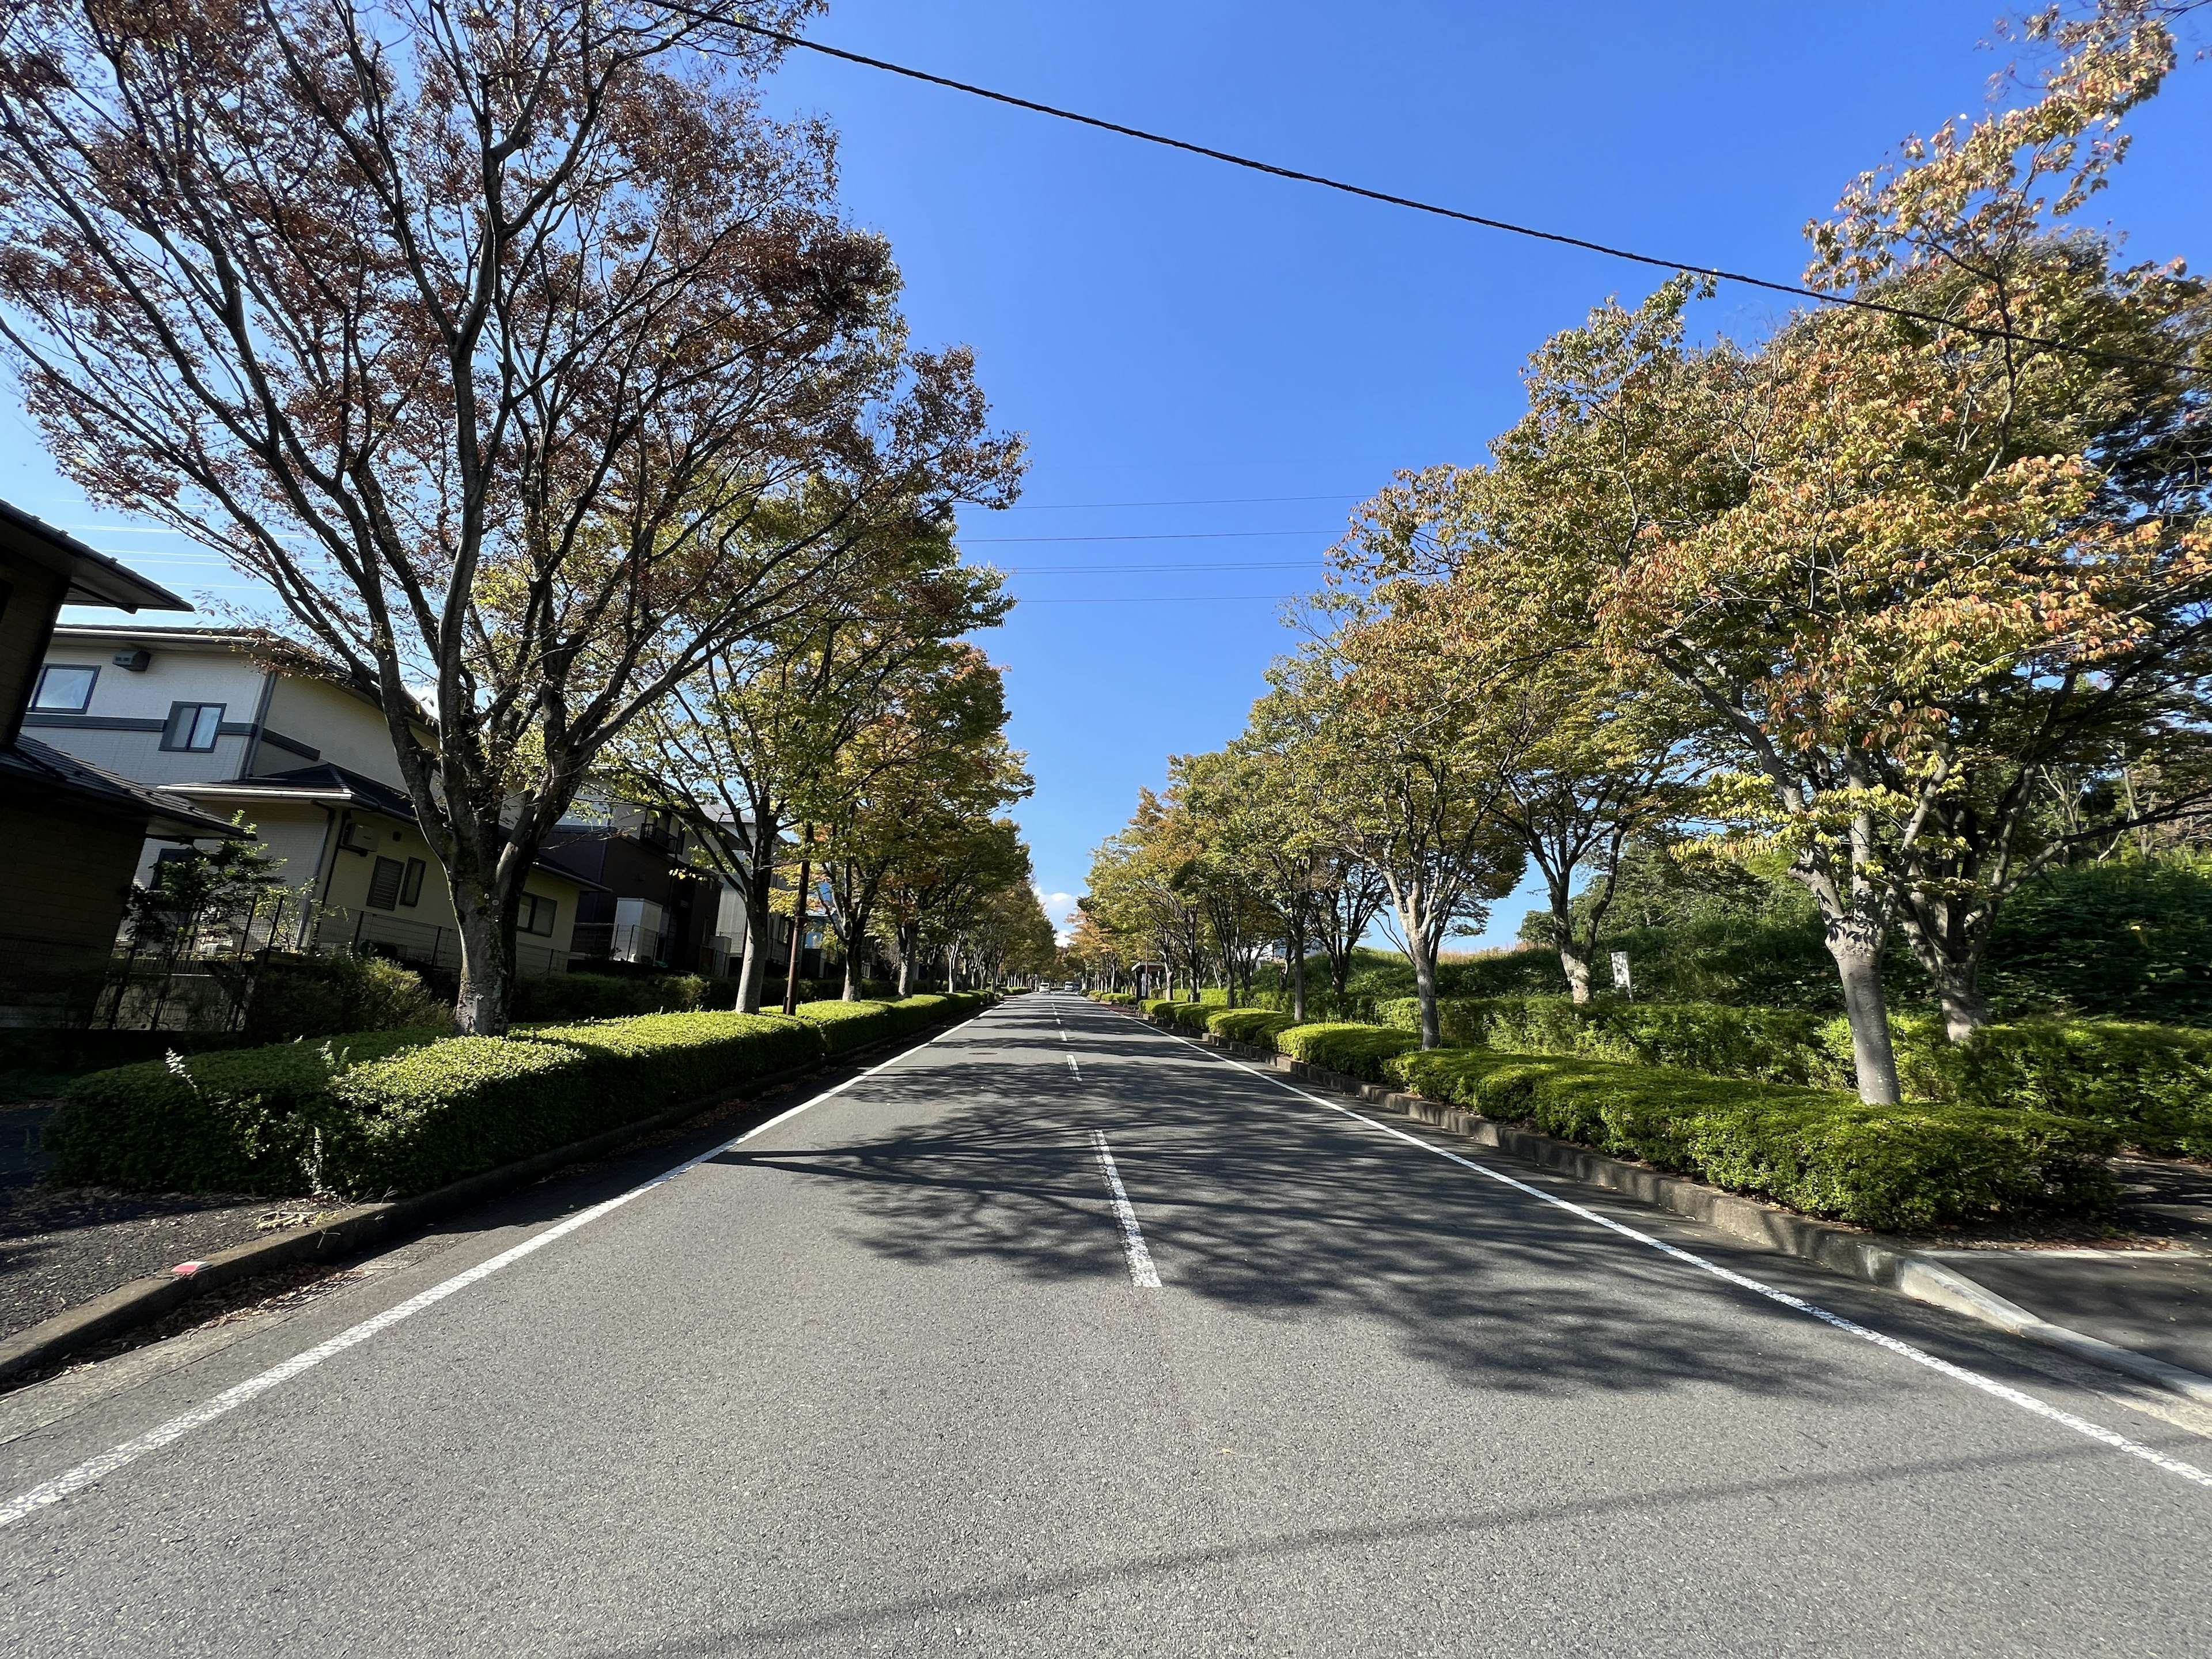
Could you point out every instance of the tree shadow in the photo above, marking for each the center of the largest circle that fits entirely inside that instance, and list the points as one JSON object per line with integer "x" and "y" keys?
{"x": 1285, "y": 1213}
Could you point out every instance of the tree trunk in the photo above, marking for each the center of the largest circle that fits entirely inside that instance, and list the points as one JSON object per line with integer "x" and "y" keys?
{"x": 1425, "y": 987}
{"x": 487, "y": 963}
{"x": 908, "y": 947}
{"x": 1954, "y": 964}
{"x": 1577, "y": 970}
{"x": 1298, "y": 970}
{"x": 798, "y": 936}
{"x": 1856, "y": 944}
{"x": 760, "y": 920}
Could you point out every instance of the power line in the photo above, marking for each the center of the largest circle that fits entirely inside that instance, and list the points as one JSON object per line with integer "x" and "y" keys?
{"x": 1225, "y": 500}
{"x": 1717, "y": 273}
{"x": 1116, "y": 570}
{"x": 1167, "y": 598}
{"x": 1159, "y": 535}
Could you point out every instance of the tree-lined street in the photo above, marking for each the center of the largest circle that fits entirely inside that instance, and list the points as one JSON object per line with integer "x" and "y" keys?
{"x": 877, "y": 1378}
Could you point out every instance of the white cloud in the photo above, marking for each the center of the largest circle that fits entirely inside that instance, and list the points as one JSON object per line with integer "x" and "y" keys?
{"x": 1060, "y": 907}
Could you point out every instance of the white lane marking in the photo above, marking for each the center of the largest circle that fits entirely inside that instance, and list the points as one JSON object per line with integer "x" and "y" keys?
{"x": 1989, "y": 1385}
{"x": 1073, "y": 1067}
{"x": 75, "y": 1480}
{"x": 1132, "y": 1237}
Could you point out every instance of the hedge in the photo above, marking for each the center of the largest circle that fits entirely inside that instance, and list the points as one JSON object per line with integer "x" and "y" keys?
{"x": 2152, "y": 1084}
{"x": 385, "y": 1113}
{"x": 1359, "y": 1051}
{"x": 1774, "y": 1045}
{"x": 1258, "y": 1026}
{"x": 1892, "y": 1167}
{"x": 238, "y": 1121}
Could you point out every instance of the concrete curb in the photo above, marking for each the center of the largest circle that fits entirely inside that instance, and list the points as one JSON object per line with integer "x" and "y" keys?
{"x": 350, "y": 1231}
{"x": 1823, "y": 1244}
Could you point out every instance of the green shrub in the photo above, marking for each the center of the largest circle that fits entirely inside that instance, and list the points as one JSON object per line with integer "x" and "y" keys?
{"x": 1257, "y": 1026}
{"x": 1192, "y": 1016}
{"x": 1115, "y": 998}
{"x": 2152, "y": 1084}
{"x": 455, "y": 1109}
{"x": 1825, "y": 1154}
{"x": 1357, "y": 1051}
{"x": 346, "y": 991}
{"x": 240, "y": 1121}
{"x": 1775, "y": 1045}
{"x": 402, "y": 1112}
{"x": 613, "y": 996}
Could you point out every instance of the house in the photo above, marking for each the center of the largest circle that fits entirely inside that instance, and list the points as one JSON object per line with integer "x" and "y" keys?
{"x": 309, "y": 763}
{"x": 654, "y": 906}
{"x": 75, "y": 831}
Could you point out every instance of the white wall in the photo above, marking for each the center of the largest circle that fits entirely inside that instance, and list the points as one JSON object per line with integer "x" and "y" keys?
{"x": 175, "y": 675}
{"x": 348, "y": 732}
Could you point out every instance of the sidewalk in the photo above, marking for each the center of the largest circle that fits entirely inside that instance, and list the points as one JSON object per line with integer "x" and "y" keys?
{"x": 2154, "y": 1296}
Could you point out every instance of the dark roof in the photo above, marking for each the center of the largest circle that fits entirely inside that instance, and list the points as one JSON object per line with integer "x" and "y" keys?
{"x": 34, "y": 766}
{"x": 94, "y": 579}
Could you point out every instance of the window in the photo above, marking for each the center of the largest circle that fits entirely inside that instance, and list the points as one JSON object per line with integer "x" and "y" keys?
{"x": 536, "y": 915}
{"x": 193, "y": 727}
{"x": 64, "y": 690}
{"x": 384, "y": 884}
{"x": 410, "y": 891}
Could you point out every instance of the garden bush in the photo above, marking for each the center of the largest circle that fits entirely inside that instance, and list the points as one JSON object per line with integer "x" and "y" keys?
{"x": 1907, "y": 1168}
{"x": 346, "y": 991}
{"x": 614, "y": 996}
{"x": 1357, "y": 1051}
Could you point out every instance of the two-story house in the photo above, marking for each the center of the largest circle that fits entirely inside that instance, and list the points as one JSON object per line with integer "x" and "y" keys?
{"x": 656, "y": 907}
{"x": 309, "y": 763}
{"x": 75, "y": 832}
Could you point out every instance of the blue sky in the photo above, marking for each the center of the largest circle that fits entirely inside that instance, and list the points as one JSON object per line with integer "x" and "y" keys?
{"x": 1213, "y": 367}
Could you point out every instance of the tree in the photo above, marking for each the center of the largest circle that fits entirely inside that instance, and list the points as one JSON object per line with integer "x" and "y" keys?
{"x": 753, "y": 745}
{"x": 1410, "y": 785}
{"x": 934, "y": 751}
{"x": 515, "y": 349}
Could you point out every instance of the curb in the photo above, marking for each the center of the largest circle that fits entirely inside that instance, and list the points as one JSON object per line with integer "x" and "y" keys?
{"x": 352, "y": 1231}
{"x": 1823, "y": 1244}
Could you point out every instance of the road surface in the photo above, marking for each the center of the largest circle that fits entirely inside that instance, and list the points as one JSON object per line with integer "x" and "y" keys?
{"x": 1061, "y": 1336}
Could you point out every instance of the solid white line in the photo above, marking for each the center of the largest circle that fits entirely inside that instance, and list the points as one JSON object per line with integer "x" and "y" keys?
{"x": 1132, "y": 1237}
{"x": 84, "y": 1474}
{"x": 1989, "y": 1385}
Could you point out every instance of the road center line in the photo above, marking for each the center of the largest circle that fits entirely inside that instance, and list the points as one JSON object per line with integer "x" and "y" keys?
{"x": 1989, "y": 1385}
{"x": 1141, "y": 1270}
{"x": 98, "y": 1469}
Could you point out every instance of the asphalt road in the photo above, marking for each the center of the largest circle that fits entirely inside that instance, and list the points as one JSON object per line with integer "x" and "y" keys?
{"x": 884, "y": 1378}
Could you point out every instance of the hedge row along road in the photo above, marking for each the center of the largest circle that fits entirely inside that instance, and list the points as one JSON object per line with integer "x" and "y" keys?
{"x": 1061, "y": 1335}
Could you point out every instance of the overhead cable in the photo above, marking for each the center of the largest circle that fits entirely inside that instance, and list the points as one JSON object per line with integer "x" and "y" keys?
{"x": 1717, "y": 273}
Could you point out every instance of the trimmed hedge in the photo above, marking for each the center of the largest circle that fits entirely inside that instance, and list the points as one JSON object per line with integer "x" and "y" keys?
{"x": 238, "y": 1121}
{"x": 391, "y": 1113}
{"x": 455, "y": 1109}
{"x": 1825, "y": 1154}
{"x": 1258, "y": 1026}
{"x": 2152, "y": 1084}
{"x": 1771, "y": 1045}
{"x": 1359, "y": 1051}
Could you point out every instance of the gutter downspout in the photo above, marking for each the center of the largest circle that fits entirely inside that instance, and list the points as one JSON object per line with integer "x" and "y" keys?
{"x": 260, "y": 725}
{"x": 312, "y": 918}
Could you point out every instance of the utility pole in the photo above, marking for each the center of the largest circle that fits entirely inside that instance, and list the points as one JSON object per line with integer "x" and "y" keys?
{"x": 798, "y": 922}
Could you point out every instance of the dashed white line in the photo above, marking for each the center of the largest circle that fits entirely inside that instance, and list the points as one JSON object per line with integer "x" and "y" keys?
{"x": 1141, "y": 1270}
{"x": 1989, "y": 1385}
{"x": 1073, "y": 1067}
